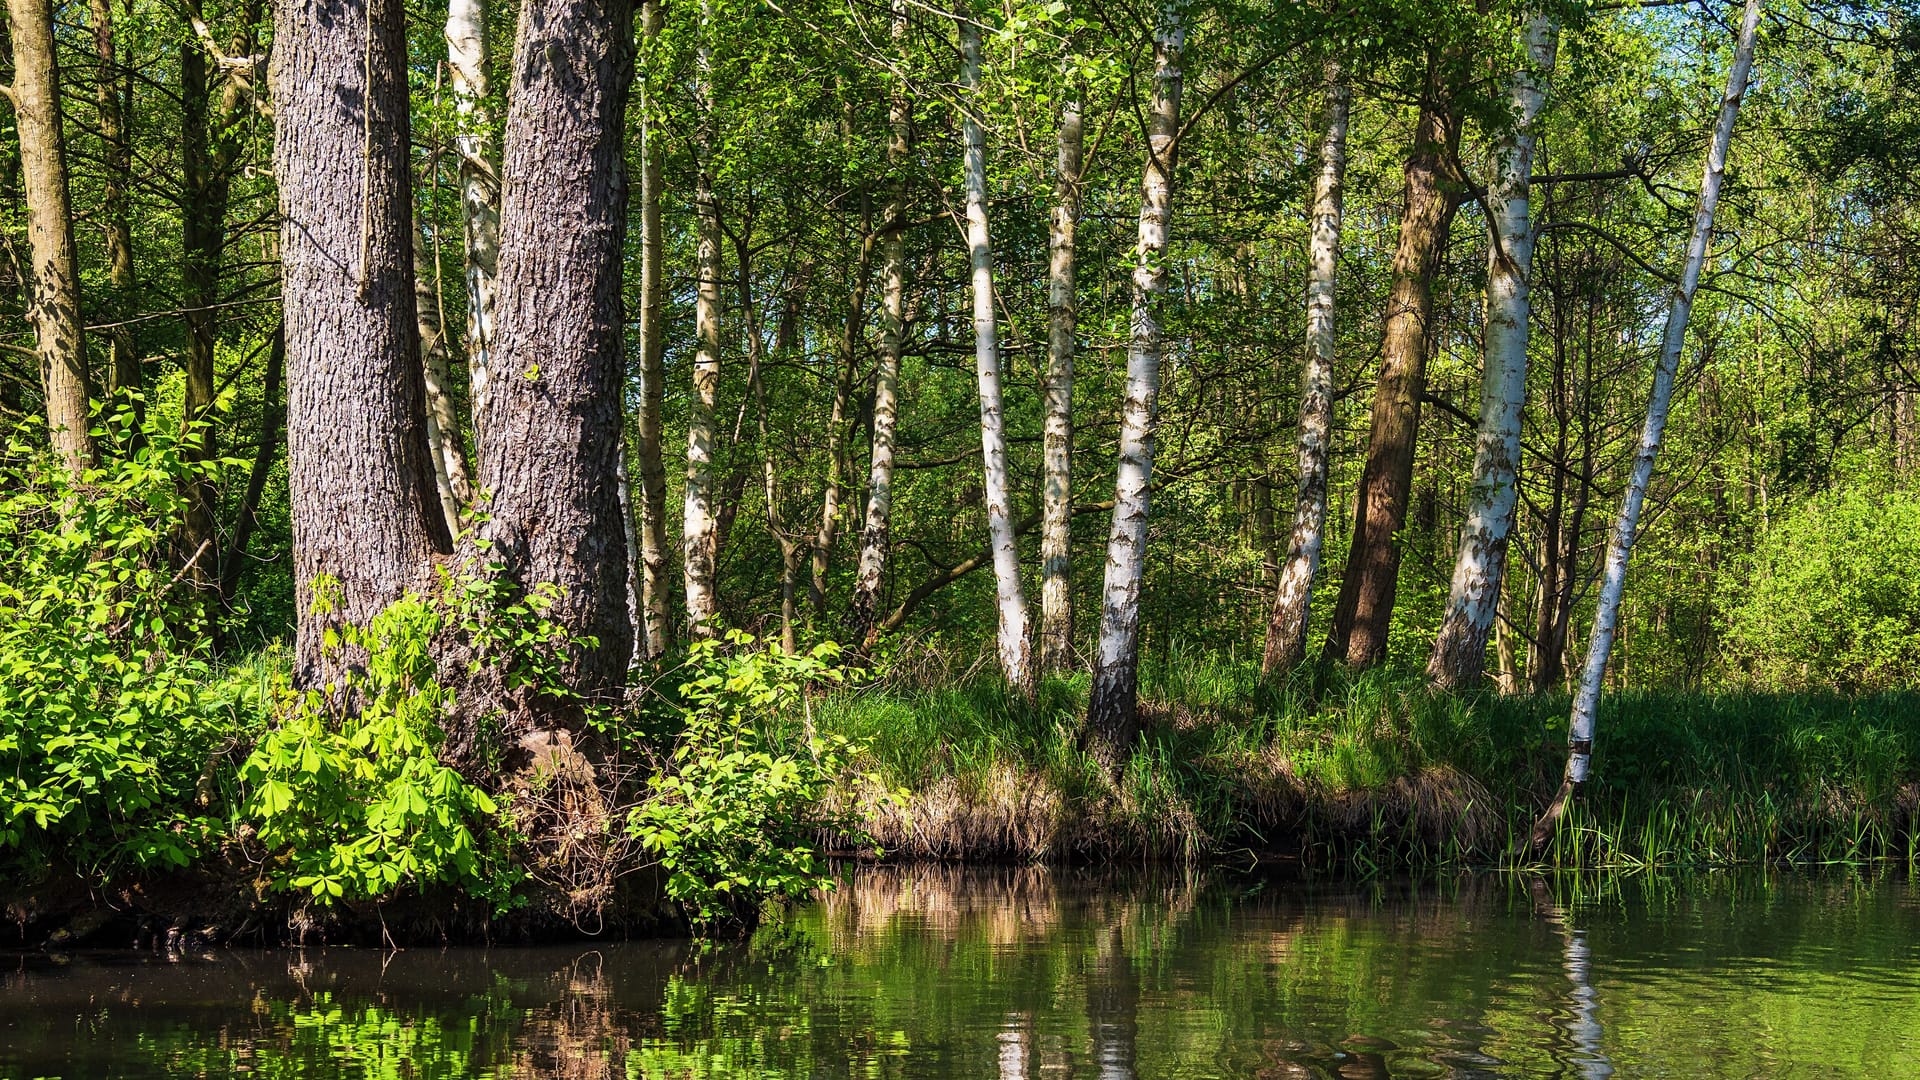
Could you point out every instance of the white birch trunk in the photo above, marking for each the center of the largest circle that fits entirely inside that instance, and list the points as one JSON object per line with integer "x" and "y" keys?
{"x": 1056, "y": 492}
{"x": 1011, "y": 599}
{"x": 699, "y": 533}
{"x": 444, "y": 444}
{"x": 1460, "y": 647}
{"x": 466, "y": 34}
{"x": 1293, "y": 596}
{"x": 893, "y": 289}
{"x": 1111, "y": 718}
{"x": 657, "y": 624}
{"x": 1606, "y": 616}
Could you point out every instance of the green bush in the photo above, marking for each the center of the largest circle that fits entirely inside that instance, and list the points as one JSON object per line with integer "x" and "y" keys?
{"x": 112, "y": 721}
{"x": 1831, "y": 597}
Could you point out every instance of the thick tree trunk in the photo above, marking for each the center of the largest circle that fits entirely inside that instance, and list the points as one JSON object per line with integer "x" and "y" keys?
{"x": 450, "y": 476}
{"x": 364, "y": 508}
{"x": 1460, "y": 647}
{"x": 700, "y": 532}
{"x": 1606, "y": 615}
{"x": 55, "y": 311}
{"x": 893, "y": 331}
{"x": 1056, "y": 488}
{"x": 1357, "y": 635}
{"x": 655, "y": 600}
{"x": 1111, "y": 718}
{"x": 123, "y": 365}
{"x": 1293, "y": 598}
{"x": 1010, "y": 598}
{"x": 466, "y": 33}
{"x": 552, "y": 435}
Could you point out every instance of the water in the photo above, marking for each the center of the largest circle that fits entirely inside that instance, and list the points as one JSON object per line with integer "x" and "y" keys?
{"x": 938, "y": 973}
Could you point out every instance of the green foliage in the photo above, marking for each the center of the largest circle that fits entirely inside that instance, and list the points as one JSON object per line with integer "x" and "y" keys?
{"x": 1832, "y": 596}
{"x": 112, "y": 722}
{"x": 734, "y": 815}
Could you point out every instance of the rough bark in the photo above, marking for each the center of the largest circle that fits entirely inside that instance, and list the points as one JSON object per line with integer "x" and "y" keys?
{"x": 655, "y": 599}
{"x": 893, "y": 331}
{"x": 1056, "y": 487}
{"x": 1357, "y": 634}
{"x": 552, "y": 433}
{"x": 699, "y": 540}
{"x": 1460, "y": 646}
{"x": 1606, "y": 615}
{"x": 466, "y": 34}
{"x": 364, "y": 513}
{"x": 116, "y": 225}
{"x": 444, "y": 443}
{"x": 55, "y": 311}
{"x": 1010, "y": 598}
{"x": 1293, "y": 597}
{"x": 1111, "y": 719}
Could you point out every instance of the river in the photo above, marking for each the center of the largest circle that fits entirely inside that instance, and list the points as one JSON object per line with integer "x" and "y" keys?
{"x": 932, "y": 972}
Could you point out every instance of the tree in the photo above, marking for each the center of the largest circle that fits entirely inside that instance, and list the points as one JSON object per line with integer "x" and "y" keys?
{"x": 1056, "y": 489}
{"x": 365, "y": 518}
{"x": 1111, "y": 719}
{"x": 466, "y": 34}
{"x": 552, "y": 435}
{"x": 1586, "y": 702}
{"x": 655, "y": 603}
{"x": 699, "y": 532}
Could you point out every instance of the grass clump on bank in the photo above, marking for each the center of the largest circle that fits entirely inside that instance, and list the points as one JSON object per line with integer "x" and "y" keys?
{"x": 1376, "y": 770}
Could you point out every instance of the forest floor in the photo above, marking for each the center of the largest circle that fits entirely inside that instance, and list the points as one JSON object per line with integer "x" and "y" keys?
{"x": 1379, "y": 773}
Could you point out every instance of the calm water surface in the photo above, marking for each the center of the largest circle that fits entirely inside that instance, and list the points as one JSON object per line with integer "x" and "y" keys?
{"x": 937, "y": 973}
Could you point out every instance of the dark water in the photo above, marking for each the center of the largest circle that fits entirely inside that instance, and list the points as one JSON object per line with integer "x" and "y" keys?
{"x": 939, "y": 973}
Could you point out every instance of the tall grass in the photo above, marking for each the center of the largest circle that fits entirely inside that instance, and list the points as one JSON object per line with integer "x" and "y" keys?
{"x": 1377, "y": 771}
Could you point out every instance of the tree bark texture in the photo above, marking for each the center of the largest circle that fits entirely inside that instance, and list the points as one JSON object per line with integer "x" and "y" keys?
{"x": 1111, "y": 716}
{"x": 55, "y": 310}
{"x": 1606, "y": 615}
{"x": 655, "y": 599}
{"x": 1010, "y": 598}
{"x": 552, "y": 435}
{"x": 699, "y": 531}
{"x": 1460, "y": 647}
{"x": 1357, "y": 635}
{"x": 1293, "y": 597}
{"x": 1056, "y": 488}
{"x": 466, "y": 34}
{"x": 364, "y": 508}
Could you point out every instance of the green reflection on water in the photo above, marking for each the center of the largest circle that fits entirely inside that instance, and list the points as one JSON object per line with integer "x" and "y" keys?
{"x": 938, "y": 973}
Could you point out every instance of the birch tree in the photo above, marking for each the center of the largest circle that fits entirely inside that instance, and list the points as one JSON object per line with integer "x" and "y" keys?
{"x": 1010, "y": 598}
{"x": 699, "y": 530}
{"x": 1111, "y": 718}
{"x": 1293, "y": 598}
{"x": 466, "y": 34}
{"x": 54, "y": 311}
{"x": 1056, "y": 488}
{"x": 1460, "y": 647}
{"x": 1606, "y": 615}
{"x": 656, "y": 605}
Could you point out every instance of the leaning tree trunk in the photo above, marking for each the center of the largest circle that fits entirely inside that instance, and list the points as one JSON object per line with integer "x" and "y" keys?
{"x": 655, "y": 601}
{"x": 123, "y": 365}
{"x": 1011, "y": 600}
{"x": 1460, "y": 647}
{"x": 466, "y": 33}
{"x": 1111, "y": 719}
{"x": 55, "y": 311}
{"x": 1357, "y": 634}
{"x": 1293, "y": 596}
{"x": 365, "y": 519}
{"x": 552, "y": 434}
{"x": 886, "y": 384}
{"x": 1056, "y": 489}
{"x": 450, "y": 476}
{"x": 699, "y": 530}
{"x": 1606, "y": 615}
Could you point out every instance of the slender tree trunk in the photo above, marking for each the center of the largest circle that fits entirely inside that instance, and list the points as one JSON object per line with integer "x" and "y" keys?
{"x": 1293, "y": 599}
{"x": 655, "y": 599}
{"x": 1460, "y": 647}
{"x": 699, "y": 536}
{"x": 1011, "y": 599}
{"x": 364, "y": 507}
{"x": 1056, "y": 489}
{"x": 450, "y": 476}
{"x": 272, "y": 416}
{"x": 466, "y": 33}
{"x": 1111, "y": 719}
{"x": 552, "y": 434}
{"x": 1361, "y": 617}
{"x": 55, "y": 311}
{"x": 123, "y": 365}
{"x": 893, "y": 331}
{"x": 1606, "y": 616}
{"x": 823, "y": 540}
